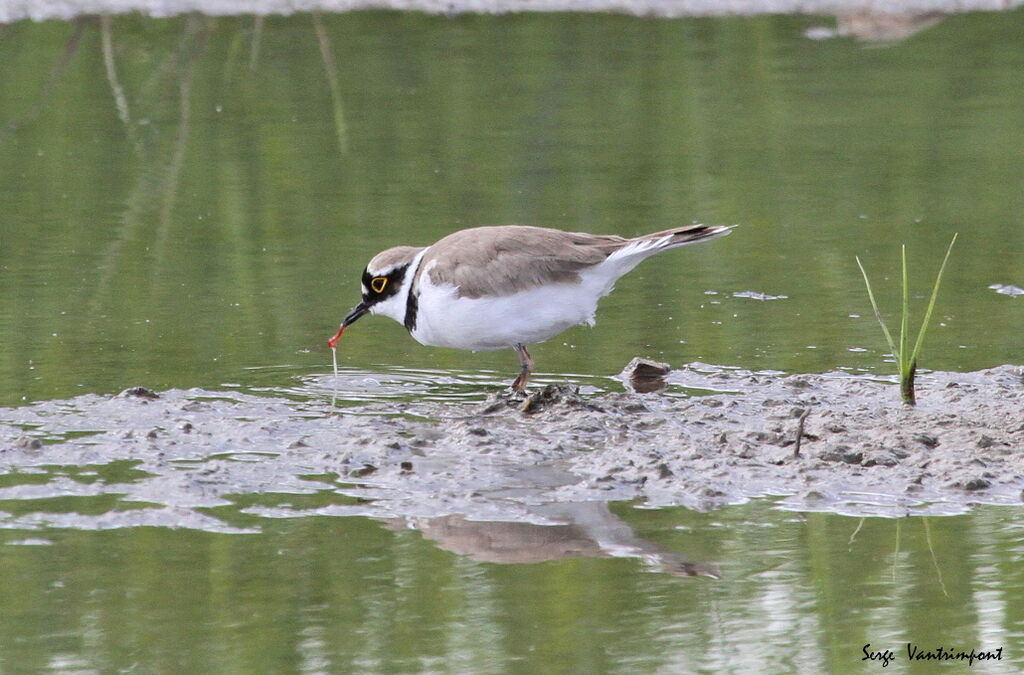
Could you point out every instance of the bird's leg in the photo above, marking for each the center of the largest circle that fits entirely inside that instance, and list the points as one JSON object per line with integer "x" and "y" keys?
{"x": 525, "y": 368}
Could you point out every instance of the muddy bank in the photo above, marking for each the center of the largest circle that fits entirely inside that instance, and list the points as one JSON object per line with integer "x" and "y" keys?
{"x": 718, "y": 436}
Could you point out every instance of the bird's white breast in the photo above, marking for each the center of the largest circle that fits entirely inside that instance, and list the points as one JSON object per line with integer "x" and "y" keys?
{"x": 499, "y": 322}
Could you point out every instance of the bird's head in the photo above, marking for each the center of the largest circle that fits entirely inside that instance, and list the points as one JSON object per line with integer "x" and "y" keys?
{"x": 385, "y": 287}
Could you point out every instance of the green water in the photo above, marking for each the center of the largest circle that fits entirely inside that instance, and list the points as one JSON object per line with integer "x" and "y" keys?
{"x": 190, "y": 202}
{"x": 797, "y": 593}
{"x": 219, "y": 219}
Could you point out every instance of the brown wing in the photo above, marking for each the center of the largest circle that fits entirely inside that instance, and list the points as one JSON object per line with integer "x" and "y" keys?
{"x": 507, "y": 259}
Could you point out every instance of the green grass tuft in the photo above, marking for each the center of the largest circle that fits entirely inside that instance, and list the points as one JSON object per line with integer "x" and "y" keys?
{"x": 906, "y": 358}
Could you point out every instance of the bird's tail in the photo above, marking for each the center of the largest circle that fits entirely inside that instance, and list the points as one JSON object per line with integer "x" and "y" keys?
{"x": 638, "y": 249}
{"x": 683, "y": 236}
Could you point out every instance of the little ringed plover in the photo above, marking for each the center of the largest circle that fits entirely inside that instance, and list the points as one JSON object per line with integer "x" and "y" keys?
{"x": 505, "y": 287}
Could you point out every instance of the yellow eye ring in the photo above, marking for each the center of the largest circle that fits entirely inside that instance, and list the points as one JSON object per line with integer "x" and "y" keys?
{"x": 379, "y": 284}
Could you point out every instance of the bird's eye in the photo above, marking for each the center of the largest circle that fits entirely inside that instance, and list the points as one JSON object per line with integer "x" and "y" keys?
{"x": 379, "y": 284}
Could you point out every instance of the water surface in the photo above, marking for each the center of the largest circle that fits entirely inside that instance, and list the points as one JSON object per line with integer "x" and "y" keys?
{"x": 357, "y": 595}
{"x": 195, "y": 196}
{"x": 189, "y": 202}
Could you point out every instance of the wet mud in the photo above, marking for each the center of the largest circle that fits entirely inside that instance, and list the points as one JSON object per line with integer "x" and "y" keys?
{"x": 715, "y": 436}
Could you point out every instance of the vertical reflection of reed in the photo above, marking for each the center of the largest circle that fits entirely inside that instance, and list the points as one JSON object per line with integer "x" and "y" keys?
{"x": 170, "y": 192}
{"x": 332, "y": 82}
{"x": 167, "y": 185}
{"x": 935, "y": 561}
{"x": 120, "y": 100}
{"x": 896, "y": 554}
{"x": 59, "y": 68}
{"x": 254, "y": 48}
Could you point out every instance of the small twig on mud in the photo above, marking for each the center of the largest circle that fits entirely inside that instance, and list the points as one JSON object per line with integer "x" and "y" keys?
{"x": 800, "y": 430}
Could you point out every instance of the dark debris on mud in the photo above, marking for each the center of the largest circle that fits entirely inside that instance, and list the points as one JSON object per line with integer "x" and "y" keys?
{"x": 549, "y": 396}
